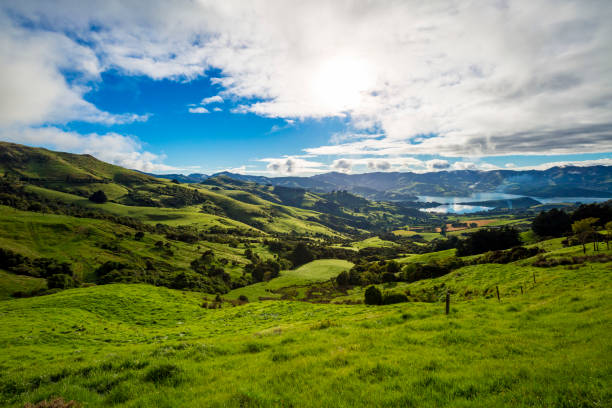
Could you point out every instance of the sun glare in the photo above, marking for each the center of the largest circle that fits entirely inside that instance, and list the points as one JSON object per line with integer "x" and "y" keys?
{"x": 340, "y": 83}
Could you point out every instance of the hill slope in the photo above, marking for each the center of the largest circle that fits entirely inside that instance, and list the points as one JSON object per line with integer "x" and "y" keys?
{"x": 138, "y": 345}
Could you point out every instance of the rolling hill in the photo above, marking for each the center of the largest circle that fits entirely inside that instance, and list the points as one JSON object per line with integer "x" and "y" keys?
{"x": 219, "y": 200}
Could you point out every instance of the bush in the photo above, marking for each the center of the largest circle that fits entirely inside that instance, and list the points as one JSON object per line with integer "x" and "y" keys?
{"x": 243, "y": 298}
{"x": 343, "y": 278}
{"x": 373, "y": 296}
{"x": 390, "y": 298}
{"x": 301, "y": 255}
{"x": 98, "y": 197}
{"x": 139, "y": 235}
{"x": 512, "y": 255}
{"x": 388, "y": 277}
{"x": 60, "y": 281}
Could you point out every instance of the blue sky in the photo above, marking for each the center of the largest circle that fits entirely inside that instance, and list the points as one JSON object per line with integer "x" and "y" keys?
{"x": 287, "y": 88}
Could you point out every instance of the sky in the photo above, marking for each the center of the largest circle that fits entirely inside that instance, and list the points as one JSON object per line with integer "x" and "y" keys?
{"x": 287, "y": 87}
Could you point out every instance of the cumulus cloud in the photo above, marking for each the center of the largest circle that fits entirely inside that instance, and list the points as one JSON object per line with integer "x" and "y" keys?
{"x": 33, "y": 89}
{"x": 437, "y": 164}
{"x": 464, "y": 166}
{"x": 199, "y": 109}
{"x": 342, "y": 165}
{"x": 211, "y": 99}
{"x": 293, "y": 165}
{"x": 111, "y": 147}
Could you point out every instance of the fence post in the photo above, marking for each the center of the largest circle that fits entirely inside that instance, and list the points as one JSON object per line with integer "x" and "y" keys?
{"x": 497, "y": 289}
{"x": 534, "y": 278}
{"x": 521, "y": 289}
{"x": 447, "y": 302}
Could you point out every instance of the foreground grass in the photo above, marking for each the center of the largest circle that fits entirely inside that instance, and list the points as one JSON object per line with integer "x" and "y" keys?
{"x": 137, "y": 345}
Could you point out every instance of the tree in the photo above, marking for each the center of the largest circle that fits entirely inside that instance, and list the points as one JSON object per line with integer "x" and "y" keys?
{"x": 60, "y": 281}
{"x": 582, "y": 229}
{"x": 343, "y": 278}
{"x": 608, "y": 228}
{"x": 488, "y": 240}
{"x": 553, "y": 223}
{"x": 300, "y": 255}
{"x": 139, "y": 235}
{"x": 98, "y": 197}
{"x": 373, "y": 296}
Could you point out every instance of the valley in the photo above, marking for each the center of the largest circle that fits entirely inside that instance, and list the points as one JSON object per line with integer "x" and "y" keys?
{"x": 118, "y": 288}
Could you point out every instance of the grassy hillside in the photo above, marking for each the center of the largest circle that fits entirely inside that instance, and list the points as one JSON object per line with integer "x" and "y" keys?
{"x": 137, "y": 345}
{"x": 88, "y": 243}
{"x": 316, "y": 271}
{"x": 11, "y": 283}
{"x": 72, "y": 178}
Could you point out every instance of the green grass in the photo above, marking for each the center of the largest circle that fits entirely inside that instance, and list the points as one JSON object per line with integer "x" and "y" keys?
{"x": 83, "y": 242}
{"x": 374, "y": 242}
{"x": 11, "y": 283}
{"x": 427, "y": 257}
{"x": 239, "y": 214}
{"x": 315, "y": 271}
{"x": 137, "y": 345}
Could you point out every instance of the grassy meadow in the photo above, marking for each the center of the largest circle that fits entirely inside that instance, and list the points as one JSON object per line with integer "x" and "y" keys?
{"x": 138, "y": 345}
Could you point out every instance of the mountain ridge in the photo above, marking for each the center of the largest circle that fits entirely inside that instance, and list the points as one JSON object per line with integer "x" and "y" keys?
{"x": 562, "y": 181}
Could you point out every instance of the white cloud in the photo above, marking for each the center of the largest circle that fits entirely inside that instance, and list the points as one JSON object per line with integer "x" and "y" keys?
{"x": 292, "y": 165}
{"x": 109, "y": 147}
{"x": 199, "y": 109}
{"x": 217, "y": 109}
{"x": 212, "y": 99}
{"x": 33, "y": 89}
{"x": 484, "y": 78}
{"x": 465, "y": 166}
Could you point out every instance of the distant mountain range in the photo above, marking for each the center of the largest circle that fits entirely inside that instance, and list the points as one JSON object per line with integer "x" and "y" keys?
{"x": 568, "y": 181}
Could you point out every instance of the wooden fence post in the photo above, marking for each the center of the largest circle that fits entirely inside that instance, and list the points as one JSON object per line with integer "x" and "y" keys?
{"x": 534, "y": 278}
{"x": 497, "y": 289}
{"x": 521, "y": 289}
{"x": 447, "y": 302}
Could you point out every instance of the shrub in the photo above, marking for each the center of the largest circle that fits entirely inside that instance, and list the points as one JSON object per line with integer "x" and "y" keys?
{"x": 504, "y": 257}
{"x": 99, "y": 197}
{"x": 243, "y": 298}
{"x": 390, "y": 298}
{"x": 60, "y": 281}
{"x": 373, "y": 296}
{"x": 139, "y": 235}
{"x": 388, "y": 277}
{"x": 343, "y": 278}
{"x": 300, "y": 255}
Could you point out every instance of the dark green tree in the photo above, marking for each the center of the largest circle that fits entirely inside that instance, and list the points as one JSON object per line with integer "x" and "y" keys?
{"x": 553, "y": 223}
{"x": 373, "y": 296}
{"x": 98, "y": 197}
{"x": 300, "y": 255}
